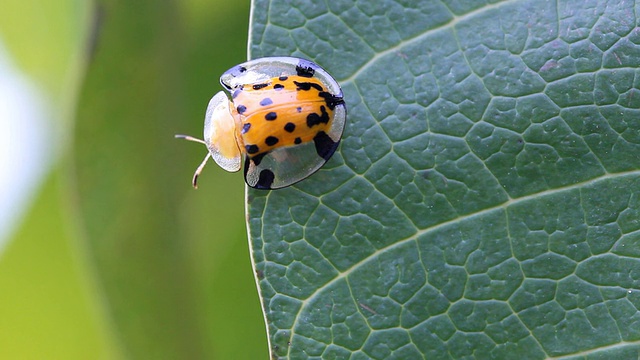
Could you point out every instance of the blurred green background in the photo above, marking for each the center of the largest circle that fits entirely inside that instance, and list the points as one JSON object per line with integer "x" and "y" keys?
{"x": 114, "y": 255}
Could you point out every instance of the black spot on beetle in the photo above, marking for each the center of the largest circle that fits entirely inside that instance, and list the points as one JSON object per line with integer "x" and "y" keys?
{"x": 305, "y": 71}
{"x": 271, "y": 140}
{"x": 278, "y": 87}
{"x": 259, "y": 86}
{"x": 306, "y": 86}
{"x": 290, "y": 127}
{"x": 245, "y": 128}
{"x": 297, "y": 141}
{"x": 252, "y": 149}
{"x": 265, "y": 180}
{"x": 256, "y": 160}
{"x": 241, "y": 109}
{"x": 331, "y": 100}
{"x": 283, "y": 78}
{"x": 266, "y": 101}
{"x": 325, "y": 146}
{"x": 299, "y": 109}
{"x": 314, "y": 119}
{"x": 271, "y": 116}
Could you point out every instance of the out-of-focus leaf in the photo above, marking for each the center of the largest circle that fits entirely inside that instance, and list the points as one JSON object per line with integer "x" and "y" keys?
{"x": 172, "y": 261}
{"x": 484, "y": 201}
{"x": 47, "y": 40}
{"x": 125, "y": 164}
{"x": 48, "y": 306}
{"x": 45, "y": 295}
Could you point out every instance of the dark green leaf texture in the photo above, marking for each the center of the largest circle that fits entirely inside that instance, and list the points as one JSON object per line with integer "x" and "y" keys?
{"x": 485, "y": 200}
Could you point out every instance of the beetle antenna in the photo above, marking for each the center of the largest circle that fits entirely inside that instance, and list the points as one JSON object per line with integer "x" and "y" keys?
{"x": 194, "y": 182}
{"x": 190, "y": 138}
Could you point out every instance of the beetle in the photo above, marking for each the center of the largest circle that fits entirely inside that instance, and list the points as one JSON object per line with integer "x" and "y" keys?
{"x": 286, "y": 117}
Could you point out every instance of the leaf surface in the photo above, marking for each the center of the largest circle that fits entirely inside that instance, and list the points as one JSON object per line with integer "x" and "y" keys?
{"x": 484, "y": 200}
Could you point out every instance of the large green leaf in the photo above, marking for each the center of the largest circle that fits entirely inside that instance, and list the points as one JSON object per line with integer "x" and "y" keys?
{"x": 484, "y": 201}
